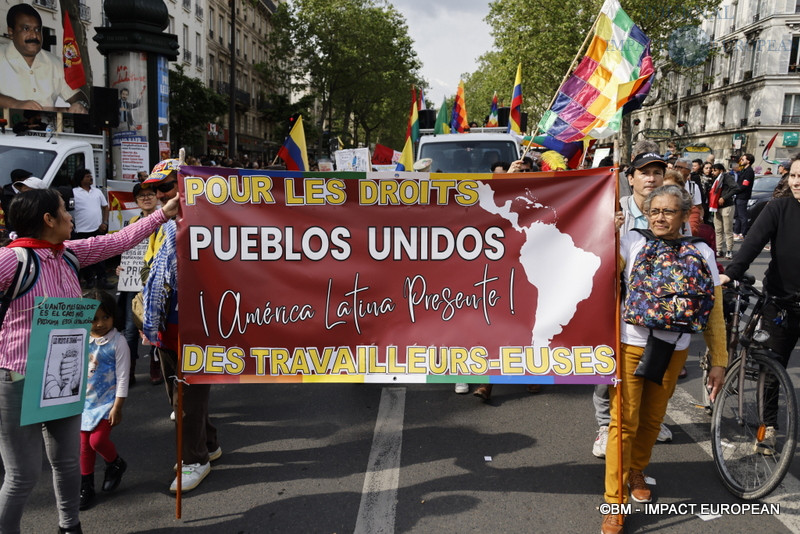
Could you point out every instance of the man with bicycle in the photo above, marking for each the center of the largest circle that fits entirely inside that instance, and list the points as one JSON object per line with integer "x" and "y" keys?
{"x": 778, "y": 226}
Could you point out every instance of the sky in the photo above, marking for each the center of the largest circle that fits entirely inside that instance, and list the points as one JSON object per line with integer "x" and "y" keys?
{"x": 449, "y": 36}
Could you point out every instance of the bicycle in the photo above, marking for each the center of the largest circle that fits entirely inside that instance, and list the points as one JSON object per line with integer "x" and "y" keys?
{"x": 752, "y": 447}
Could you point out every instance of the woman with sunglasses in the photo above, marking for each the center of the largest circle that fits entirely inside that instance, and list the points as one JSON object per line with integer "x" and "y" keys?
{"x": 42, "y": 224}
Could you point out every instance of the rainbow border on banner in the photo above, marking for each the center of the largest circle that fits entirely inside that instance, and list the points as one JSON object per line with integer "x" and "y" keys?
{"x": 402, "y": 378}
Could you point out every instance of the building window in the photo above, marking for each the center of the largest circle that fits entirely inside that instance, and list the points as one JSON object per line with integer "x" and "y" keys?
{"x": 791, "y": 109}
{"x": 211, "y": 20}
{"x": 793, "y": 67}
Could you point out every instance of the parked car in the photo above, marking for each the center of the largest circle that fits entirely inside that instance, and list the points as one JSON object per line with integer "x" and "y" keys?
{"x": 763, "y": 187}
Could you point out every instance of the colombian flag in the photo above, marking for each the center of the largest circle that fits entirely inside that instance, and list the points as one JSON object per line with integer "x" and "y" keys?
{"x": 515, "y": 116}
{"x": 293, "y": 151}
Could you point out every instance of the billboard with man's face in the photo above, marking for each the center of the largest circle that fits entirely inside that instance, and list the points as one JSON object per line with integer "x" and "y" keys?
{"x": 44, "y": 63}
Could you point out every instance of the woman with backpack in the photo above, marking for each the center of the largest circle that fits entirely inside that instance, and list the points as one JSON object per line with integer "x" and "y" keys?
{"x": 655, "y": 335}
{"x": 43, "y": 226}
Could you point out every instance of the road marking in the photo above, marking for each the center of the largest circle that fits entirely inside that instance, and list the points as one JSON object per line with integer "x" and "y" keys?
{"x": 682, "y": 409}
{"x": 376, "y": 513}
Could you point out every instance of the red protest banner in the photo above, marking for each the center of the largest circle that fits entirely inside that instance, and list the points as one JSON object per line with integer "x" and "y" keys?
{"x": 372, "y": 277}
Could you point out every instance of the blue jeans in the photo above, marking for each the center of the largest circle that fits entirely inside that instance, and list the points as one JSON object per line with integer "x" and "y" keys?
{"x": 21, "y": 450}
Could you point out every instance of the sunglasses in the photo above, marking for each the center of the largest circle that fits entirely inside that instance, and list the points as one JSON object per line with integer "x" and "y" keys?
{"x": 167, "y": 187}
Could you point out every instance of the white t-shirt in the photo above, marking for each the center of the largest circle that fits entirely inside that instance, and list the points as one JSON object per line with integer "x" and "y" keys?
{"x": 42, "y": 82}
{"x": 629, "y": 246}
{"x": 88, "y": 212}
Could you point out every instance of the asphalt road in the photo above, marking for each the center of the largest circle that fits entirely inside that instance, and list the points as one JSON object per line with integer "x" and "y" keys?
{"x": 295, "y": 459}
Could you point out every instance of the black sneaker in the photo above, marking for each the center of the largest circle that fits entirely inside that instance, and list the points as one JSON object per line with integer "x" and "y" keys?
{"x": 87, "y": 491}
{"x": 114, "y": 472}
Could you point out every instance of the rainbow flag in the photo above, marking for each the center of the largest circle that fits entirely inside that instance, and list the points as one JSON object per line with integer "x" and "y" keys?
{"x": 493, "y": 120}
{"x": 458, "y": 120}
{"x": 293, "y": 152}
{"x": 515, "y": 114}
{"x": 612, "y": 79}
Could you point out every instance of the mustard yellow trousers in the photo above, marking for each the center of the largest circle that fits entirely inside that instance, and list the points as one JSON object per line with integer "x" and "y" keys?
{"x": 644, "y": 404}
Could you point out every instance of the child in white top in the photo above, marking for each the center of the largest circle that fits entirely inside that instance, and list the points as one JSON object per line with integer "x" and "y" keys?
{"x": 106, "y": 390}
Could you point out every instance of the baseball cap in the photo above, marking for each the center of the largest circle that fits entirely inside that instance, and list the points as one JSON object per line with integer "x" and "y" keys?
{"x": 162, "y": 170}
{"x": 32, "y": 182}
{"x": 646, "y": 158}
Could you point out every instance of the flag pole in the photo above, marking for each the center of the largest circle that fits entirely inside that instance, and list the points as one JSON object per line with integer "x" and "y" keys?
{"x": 617, "y": 334}
{"x": 569, "y": 71}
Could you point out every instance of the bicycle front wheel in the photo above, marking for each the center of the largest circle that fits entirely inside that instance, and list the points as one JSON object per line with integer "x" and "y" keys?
{"x": 753, "y": 446}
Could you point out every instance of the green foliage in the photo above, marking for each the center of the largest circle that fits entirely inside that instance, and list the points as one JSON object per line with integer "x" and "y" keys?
{"x": 191, "y": 107}
{"x": 546, "y": 35}
{"x": 358, "y": 60}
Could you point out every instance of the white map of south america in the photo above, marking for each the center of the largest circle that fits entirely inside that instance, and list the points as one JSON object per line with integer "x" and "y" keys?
{"x": 559, "y": 289}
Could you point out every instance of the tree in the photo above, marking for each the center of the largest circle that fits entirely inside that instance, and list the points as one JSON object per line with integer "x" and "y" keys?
{"x": 359, "y": 63}
{"x": 192, "y": 107}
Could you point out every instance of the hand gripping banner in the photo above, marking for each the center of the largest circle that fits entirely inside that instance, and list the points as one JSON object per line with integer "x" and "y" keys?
{"x": 396, "y": 277}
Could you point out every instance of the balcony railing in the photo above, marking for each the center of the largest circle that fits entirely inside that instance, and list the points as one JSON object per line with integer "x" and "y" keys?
{"x": 198, "y": 11}
{"x": 743, "y": 122}
{"x": 187, "y": 57}
{"x": 790, "y": 119}
{"x": 241, "y": 97}
{"x": 187, "y": 5}
{"x": 198, "y": 59}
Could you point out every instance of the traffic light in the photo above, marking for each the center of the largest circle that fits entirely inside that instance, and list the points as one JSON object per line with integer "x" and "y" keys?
{"x": 291, "y": 122}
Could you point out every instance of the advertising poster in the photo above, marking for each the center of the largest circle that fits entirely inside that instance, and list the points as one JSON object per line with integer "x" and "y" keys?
{"x": 55, "y": 379}
{"x": 397, "y": 277}
{"x": 62, "y": 78}
{"x": 163, "y": 101}
{"x": 128, "y": 74}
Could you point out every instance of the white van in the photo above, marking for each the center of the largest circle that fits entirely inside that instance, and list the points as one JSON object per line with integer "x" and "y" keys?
{"x": 468, "y": 152}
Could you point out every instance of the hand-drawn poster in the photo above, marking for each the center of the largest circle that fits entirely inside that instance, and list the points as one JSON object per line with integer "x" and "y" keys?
{"x": 55, "y": 379}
